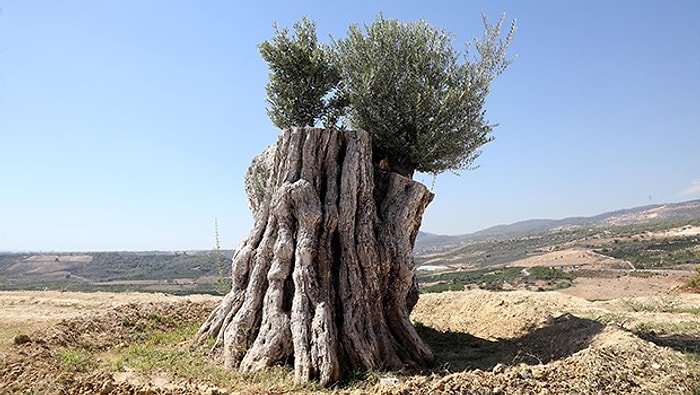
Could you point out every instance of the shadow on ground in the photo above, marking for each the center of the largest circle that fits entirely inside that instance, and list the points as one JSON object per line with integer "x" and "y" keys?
{"x": 686, "y": 344}
{"x": 563, "y": 336}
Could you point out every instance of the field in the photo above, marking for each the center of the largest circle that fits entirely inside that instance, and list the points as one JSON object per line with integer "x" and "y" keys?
{"x": 578, "y": 310}
{"x": 484, "y": 341}
{"x": 551, "y": 260}
{"x": 660, "y": 253}
{"x": 180, "y": 273}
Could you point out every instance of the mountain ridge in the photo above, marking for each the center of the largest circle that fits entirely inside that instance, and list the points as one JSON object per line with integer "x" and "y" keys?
{"x": 687, "y": 210}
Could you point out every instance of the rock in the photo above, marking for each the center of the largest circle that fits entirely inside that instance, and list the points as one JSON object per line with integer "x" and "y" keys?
{"x": 388, "y": 381}
{"x": 539, "y": 372}
{"x": 525, "y": 373}
{"x": 22, "y": 339}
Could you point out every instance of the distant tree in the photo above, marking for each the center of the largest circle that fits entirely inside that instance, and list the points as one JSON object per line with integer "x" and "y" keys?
{"x": 404, "y": 83}
{"x": 301, "y": 76}
{"x": 694, "y": 282}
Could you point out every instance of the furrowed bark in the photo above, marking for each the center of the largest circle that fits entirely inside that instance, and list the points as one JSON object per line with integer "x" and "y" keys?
{"x": 326, "y": 278}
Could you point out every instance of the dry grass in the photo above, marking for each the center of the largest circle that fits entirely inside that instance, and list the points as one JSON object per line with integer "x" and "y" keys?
{"x": 485, "y": 342}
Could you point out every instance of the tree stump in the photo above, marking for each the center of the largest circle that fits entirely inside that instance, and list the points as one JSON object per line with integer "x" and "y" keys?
{"x": 326, "y": 278}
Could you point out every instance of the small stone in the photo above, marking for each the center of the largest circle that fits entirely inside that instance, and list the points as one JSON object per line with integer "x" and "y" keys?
{"x": 388, "y": 381}
{"x": 655, "y": 366}
{"x": 538, "y": 373}
{"x": 499, "y": 368}
{"x": 22, "y": 339}
{"x": 525, "y": 374}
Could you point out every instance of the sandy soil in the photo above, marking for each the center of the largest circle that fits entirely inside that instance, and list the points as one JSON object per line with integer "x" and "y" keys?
{"x": 617, "y": 278}
{"x": 485, "y": 342}
{"x": 625, "y": 285}
{"x": 572, "y": 258}
{"x": 29, "y": 310}
{"x": 680, "y": 232}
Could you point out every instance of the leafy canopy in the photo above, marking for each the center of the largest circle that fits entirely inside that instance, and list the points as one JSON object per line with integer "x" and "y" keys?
{"x": 301, "y": 75}
{"x": 404, "y": 83}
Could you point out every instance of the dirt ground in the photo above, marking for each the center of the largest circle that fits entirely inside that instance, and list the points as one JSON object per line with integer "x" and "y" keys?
{"x": 616, "y": 278}
{"x": 30, "y": 310}
{"x": 549, "y": 342}
{"x": 625, "y": 286}
{"x": 572, "y": 257}
{"x": 485, "y": 342}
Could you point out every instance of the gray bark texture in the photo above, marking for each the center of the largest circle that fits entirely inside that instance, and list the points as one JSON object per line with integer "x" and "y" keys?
{"x": 326, "y": 278}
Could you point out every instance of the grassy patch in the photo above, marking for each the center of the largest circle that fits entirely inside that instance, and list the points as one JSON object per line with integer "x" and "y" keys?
{"x": 171, "y": 351}
{"x": 442, "y": 287}
{"x": 659, "y": 305}
{"x": 694, "y": 282}
{"x": 683, "y": 336}
{"x": 611, "y": 318}
{"x": 75, "y": 359}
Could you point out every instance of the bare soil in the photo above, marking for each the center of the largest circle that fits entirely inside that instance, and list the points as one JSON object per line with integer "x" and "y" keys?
{"x": 625, "y": 286}
{"x": 485, "y": 342}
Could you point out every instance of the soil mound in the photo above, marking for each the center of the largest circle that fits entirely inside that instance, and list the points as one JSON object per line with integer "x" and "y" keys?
{"x": 515, "y": 343}
{"x": 32, "y": 365}
{"x": 557, "y": 361}
{"x": 485, "y": 343}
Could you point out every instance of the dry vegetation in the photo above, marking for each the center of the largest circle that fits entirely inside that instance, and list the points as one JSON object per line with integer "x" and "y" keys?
{"x": 485, "y": 342}
{"x": 618, "y": 326}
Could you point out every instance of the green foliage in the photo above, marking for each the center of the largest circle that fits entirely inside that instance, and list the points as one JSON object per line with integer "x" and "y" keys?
{"x": 495, "y": 278}
{"x": 301, "y": 77}
{"x": 405, "y": 84}
{"x": 113, "y": 266}
{"x": 443, "y": 287}
{"x": 694, "y": 282}
{"x": 177, "y": 273}
{"x": 75, "y": 360}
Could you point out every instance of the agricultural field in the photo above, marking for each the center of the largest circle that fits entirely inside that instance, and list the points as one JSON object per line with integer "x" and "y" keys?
{"x": 193, "y": 272}
{"x": 662, "y": 254}
{"x": 484, "y": 341}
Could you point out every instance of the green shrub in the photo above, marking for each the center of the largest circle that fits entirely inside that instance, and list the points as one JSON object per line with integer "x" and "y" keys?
{"x": 694, "y": 282}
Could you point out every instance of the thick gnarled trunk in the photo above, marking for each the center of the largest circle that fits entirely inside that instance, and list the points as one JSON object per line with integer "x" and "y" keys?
{"x": 326, "y": 278}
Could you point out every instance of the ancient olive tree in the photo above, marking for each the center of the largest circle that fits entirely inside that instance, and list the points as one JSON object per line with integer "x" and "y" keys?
{"x": 326, "y": 279}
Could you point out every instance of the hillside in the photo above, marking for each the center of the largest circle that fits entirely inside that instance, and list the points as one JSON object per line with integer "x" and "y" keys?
{"x": 174, "y": 272}
{"x": 671, "y": 212}
{"x": 534, "y": 254}
{"x": 658, "y": 243}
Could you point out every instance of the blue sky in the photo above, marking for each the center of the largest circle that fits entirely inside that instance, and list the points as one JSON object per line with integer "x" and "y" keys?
{"x": 128, "y": 125}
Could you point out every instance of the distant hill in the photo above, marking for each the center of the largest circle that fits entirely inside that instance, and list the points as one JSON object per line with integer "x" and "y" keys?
{"x": 428, "y": 242}
{"x": 201, "y": 271}
{"x": 158, "y": 271}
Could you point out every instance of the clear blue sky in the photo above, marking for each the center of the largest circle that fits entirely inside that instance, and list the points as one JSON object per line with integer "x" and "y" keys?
{"x": 128, "y": 125}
